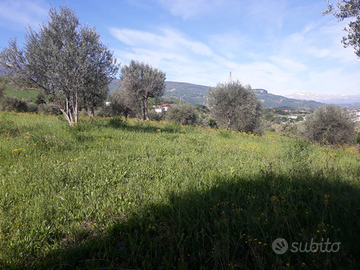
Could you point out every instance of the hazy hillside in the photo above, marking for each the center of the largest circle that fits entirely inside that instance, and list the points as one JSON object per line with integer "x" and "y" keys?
{"x": 325, "y": 98}
{"x": 188, "y": 92}
{"x": 193, "y": 94}
{"x": 276, "y": 101}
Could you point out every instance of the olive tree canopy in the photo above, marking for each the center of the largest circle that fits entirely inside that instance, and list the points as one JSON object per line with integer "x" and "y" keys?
{"x": 142, "y": 81}
{"x": 65, "y": 59}
{"x": 185, "y": 114}
{"x": 330, "y": 124}
{"x": 235, "y": 106}
{"x": 347, "y": 9}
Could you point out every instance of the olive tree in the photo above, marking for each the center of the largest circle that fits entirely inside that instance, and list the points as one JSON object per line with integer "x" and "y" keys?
{"x": 123, "y": 104}
{"x": 142, "y": 81}
{"x": 235, "y": 106}
{"x": 185, "y": 114}
{"x": 64, "y": 58}
{"x": 347, "y": 9}
{"x": 330, "y": 124}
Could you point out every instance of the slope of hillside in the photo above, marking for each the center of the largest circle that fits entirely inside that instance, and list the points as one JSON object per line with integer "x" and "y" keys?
{"x": 325, "y": 98}
{"x": 188, "y": 92}
{"x": 276, "y": 101}
{"x": 193, "y": 94}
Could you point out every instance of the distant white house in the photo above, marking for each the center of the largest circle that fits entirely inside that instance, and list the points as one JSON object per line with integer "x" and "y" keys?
{"x": 162, "y": 108}
{"x": 107, "y": 103}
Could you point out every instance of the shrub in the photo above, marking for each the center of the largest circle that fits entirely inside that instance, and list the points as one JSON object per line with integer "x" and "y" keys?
{"x": 330, "y": 125}
{"x": 288, "y": 129}
{"x": 123, "y": 104}
{"x": 104, "y": 112}
{"x": 154, "y": 116}
{"x": 185, "y": 114}
{"x": 40, "y": 99}
{"x": 32, "y": 107}
{"x": 212, "y": 123}
{"x": 10, "y": 103}
{"x": 49, "y": 108}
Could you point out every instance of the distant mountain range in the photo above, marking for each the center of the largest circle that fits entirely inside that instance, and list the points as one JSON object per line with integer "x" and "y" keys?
{"x": 196, "y": 94}
{"x": 276, "y": 101}
{"x": 187, "y": 92}
{"x": 324, "y": 98}
{"x": 192, "y": 93}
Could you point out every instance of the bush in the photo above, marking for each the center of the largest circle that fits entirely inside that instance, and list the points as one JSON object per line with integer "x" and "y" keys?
{"x": 185, "y": 114}
{"x": 32, "y": 107}
{"x": 40, "y": 99}
{"x": 358, "y": 138}
{"x": 154, "y": 116}
{"x": 330, "y": 125}
{"x": 123, "y": 104}
{"x": 288, "y": 129}
{"x": 49, "y": 108}
{"x": 212, "y": 123}
{"x": 104, "y": 112}
{"x": 10, "y": 103}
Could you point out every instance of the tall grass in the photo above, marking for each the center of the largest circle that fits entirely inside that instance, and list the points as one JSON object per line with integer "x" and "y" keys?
{"x": 113, "y": 193}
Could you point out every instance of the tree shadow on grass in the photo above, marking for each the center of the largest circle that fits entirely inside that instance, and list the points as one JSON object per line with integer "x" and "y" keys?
{"x": 230, "y": 224}
{"x": 143, "y": 126}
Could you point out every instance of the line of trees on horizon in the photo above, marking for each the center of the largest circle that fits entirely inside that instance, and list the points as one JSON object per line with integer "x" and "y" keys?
{"x": 73, "y": 67}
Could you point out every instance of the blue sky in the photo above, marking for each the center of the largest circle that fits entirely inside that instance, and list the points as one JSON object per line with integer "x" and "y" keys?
{"x": 283, "y": 46}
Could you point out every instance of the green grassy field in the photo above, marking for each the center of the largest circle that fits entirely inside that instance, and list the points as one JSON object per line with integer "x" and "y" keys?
{"x": 9, "y": 90}
{"x": 115, "y": 194}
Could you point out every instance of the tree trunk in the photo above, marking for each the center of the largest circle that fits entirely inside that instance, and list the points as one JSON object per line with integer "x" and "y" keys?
{"x": 76, "y": 110}
{"x": 67, "y": 113}
{"x": 144, "y": 109}
{"x": 67, "y": 117}
{"x": 228, "y": 124}
{"x": 90, "y": 111}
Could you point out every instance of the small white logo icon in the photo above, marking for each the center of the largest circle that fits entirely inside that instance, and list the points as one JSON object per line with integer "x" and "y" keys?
{"x": 280, "y": 246}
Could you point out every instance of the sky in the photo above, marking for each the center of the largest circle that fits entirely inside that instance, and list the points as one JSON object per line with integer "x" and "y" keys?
{"x": 283, "y": 46}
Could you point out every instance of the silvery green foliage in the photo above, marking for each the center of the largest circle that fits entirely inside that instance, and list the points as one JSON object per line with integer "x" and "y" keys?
{"x": 124, "y": 104}
{"x": 347, "y": 9}
{"x": 185, "y": 114}
{"x": 330, "y": 124}
{"x": 64, "y": 58}
{"x": 2, "y": 86}
{"x": 235, "y": 106}
{"x": 142, "y": 82}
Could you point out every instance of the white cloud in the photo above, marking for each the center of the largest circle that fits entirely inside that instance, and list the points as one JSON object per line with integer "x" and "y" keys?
{"x": 288, "y": 64}
{"x": 191, "y": 8}
{"x": 169, "y": 40}
{"x": 303, "y": 60}
{"x": 22, "y": 13}
{"x": 231, "y": 44}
